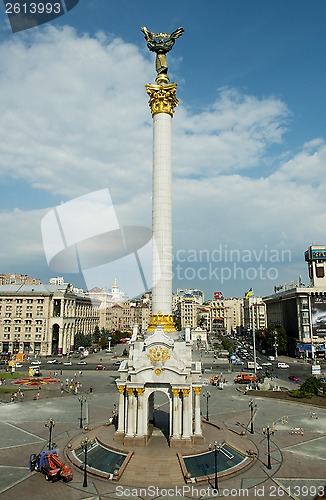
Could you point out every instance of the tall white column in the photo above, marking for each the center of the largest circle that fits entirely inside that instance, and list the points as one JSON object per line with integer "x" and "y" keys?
{"x": 162, "y": 214}
{"x": 176, "y": 417}
{"x": 162, "y": 103}
{"x": 186, "y": 414}
{"x": 131, "y": 412}
{"x": 198, "y": 429}
{"x": 121, "y": 412}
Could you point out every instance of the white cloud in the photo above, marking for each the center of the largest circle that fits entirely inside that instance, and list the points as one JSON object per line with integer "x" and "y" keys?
{"x": 75, "y": 119}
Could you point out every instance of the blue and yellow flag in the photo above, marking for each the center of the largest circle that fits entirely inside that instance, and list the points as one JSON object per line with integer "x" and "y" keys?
{"x": 249, "y": 294}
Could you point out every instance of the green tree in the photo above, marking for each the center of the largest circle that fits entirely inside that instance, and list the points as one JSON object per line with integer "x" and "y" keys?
{"x": 82, "y": 340}
{"x": 96, "y": 334}
{"x": 310, "y": 387}
{"x": 103, "y": 342}
{"x": 267, "y": 338}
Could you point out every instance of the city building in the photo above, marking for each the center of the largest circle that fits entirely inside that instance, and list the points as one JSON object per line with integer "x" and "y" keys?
{"x": 186, "y": 310}
{"x": 198, "y": 295}
{"x": 18, "y": 279}
{"x": 254, "y": 314}
{"x": 301, "y": 309}
{"x": 41, "y": 320}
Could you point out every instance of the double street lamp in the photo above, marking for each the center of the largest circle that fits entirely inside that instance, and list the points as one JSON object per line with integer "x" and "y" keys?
{"x": 207, "y": 395}
{"x": 252, "y": 407}
{"x": 217, "y": 448}
{"x": 84, "y": 445}
{"x": 82, "y": 400}
{"x": 268, "y": 432}
{"x": 50, "y": 424}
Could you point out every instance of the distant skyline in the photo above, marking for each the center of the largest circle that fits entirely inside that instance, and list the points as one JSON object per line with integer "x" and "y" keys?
{"x": 249, "y": 134}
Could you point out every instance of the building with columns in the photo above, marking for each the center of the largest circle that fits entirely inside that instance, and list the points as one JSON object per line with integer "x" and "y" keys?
{"x": 42, "y": 320}
{"x": 159, "y": 361}
{"x": 301, "y": 309}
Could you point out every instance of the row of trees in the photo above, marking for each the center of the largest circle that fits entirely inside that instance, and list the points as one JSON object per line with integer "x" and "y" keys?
{"x": 99, "y": 337}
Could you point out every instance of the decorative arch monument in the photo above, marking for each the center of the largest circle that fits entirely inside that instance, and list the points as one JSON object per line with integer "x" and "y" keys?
{"x": 160, "y": 360}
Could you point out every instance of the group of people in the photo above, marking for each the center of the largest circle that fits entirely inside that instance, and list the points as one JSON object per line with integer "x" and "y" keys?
{"x": 15, "y": 395}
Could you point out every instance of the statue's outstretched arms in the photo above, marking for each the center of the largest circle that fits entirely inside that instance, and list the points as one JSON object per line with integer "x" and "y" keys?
{"x": 148, "y": 34}
{"x": 177, "y": 33}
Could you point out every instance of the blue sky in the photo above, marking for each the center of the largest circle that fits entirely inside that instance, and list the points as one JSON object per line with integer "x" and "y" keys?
{"x": 249, "y": 152}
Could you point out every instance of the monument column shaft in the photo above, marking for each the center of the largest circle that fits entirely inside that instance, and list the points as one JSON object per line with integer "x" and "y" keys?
{"x": 162, "y": 214}
{"x": 186, "y": 431}
{"x": 198, "y": 430}
{"x": 121, "y": 412}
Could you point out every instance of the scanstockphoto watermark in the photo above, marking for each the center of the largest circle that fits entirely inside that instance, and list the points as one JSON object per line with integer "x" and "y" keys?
{"x": 179, "y": 491}
{"x": 223, "y": 264}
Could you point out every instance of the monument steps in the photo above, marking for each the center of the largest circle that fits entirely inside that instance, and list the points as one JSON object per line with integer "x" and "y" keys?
{"x": 158, "y": 469}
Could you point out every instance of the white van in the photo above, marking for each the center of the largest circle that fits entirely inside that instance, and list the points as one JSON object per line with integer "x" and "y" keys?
{"x": 283, "y": 365}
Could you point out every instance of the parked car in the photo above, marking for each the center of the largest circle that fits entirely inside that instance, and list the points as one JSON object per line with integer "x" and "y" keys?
{"x": 117, "y": 363}
{"x": 283, "y": 365}
{"x": 100, "y": 367}
{"x": 294, "y": 378}
{"x": 19, "y": 365}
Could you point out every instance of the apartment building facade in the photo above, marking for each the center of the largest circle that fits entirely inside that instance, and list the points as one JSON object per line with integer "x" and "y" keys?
{"x": 42, "y": 320}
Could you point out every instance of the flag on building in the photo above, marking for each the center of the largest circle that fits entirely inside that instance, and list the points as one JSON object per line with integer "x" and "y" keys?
{"x": 218, "y": 295}
{"x": 249, "y": 294}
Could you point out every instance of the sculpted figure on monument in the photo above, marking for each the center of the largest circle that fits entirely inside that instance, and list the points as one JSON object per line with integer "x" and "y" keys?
{"x": 161, "y": 43}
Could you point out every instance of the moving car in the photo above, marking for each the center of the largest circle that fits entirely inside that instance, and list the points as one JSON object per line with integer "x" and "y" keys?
{"x": 283, "y": 365}
{"x": 271, "y": 358}
{"x": 100, "y": 367}
{"x": 82, "y": 363}
{"x": 267, "y": 363}
{"x": 35, "y": 362}
{"x": 294, "y": 378}
{"x": 67, "y": 363}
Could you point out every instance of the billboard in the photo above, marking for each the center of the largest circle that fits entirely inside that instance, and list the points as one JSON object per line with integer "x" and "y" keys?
{"x": 318, "y": 316}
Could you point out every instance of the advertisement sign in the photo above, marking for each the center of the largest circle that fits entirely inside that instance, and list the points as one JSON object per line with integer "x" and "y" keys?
{"x": 318, "y": 316}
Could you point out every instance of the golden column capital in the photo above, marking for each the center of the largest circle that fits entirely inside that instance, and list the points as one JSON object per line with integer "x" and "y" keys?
{"x": 197, "y": 390}
{"x": 165, "y": 320}
{"x": 140, "y": 391}
{"x": 121, "y": 388}
{"x": 130, "y": 391}
{"x": 175, "y": 392}
{"x": 185, "y": 392}
{"x": 162, "y": 98}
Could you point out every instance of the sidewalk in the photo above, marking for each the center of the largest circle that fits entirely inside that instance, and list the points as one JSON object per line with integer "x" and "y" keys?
{"x": 297, "y": 462}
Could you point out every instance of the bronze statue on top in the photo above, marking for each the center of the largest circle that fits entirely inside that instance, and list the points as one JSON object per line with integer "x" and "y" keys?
{"x": 161, "y": 43}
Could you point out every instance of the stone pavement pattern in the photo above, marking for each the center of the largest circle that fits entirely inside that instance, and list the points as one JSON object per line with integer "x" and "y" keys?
{"x": 298, "y": 462}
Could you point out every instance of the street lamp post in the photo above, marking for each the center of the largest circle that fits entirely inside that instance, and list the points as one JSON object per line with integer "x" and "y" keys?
{"x": 82, "y": 400}
{"x": 207, "y": 395}
{"x": 275, "y": 344}
{"x": 50, "y": 424}
{"x": 252, "y": 407}
{"x": 217, "y": 448}
{"x": 84, "y": 445}
{"x": 254, "y": 338}
{"x": 268, "y": 433}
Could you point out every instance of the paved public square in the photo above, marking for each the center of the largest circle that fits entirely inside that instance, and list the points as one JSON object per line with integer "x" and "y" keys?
{"x": 298, "y": 462}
